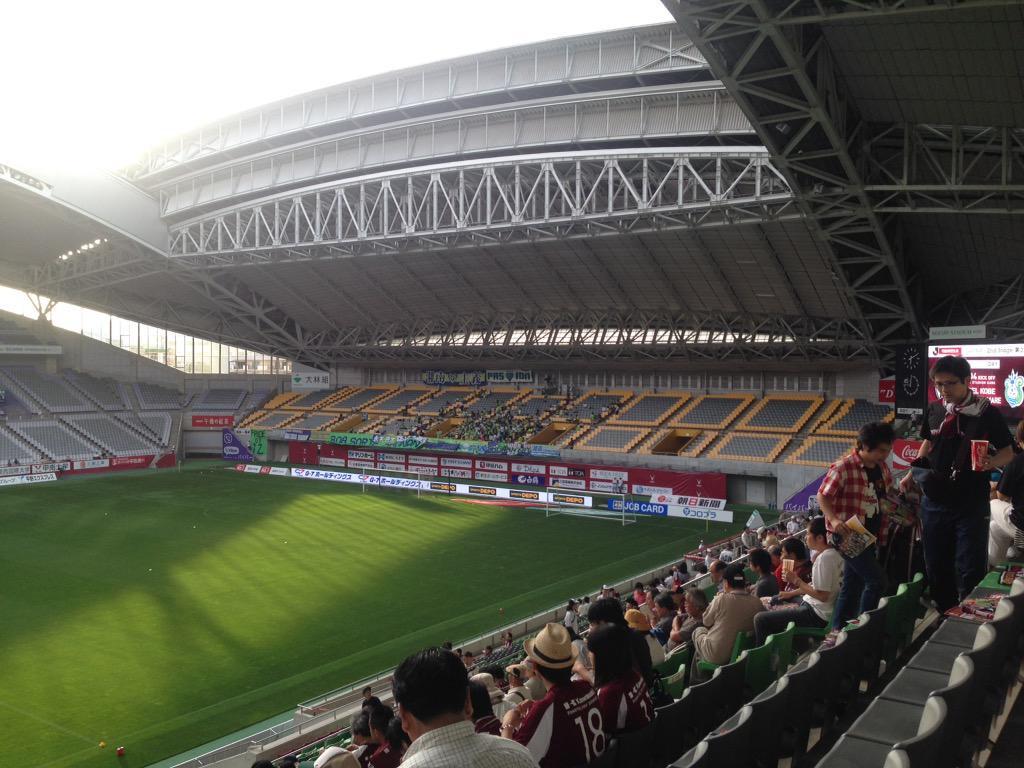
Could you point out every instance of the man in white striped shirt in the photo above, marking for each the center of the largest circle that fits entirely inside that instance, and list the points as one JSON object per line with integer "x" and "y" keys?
{"x": 432, "y": 691}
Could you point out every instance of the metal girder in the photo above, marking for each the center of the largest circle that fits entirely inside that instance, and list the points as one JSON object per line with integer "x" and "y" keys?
{"x": 600, "y": 336}
{"x": 920, "y": 168}
{"x": 796, "y": 12}
{"x": 508, "y": 200}
{"x": 785, "y": 81}
{"x": 568, "y": 65}
{"x": 999, "y": 307}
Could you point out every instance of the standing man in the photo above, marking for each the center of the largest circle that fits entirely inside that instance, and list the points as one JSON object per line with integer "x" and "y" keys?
{"x": 955, "y": 500}
{"x": 854, "y": 487}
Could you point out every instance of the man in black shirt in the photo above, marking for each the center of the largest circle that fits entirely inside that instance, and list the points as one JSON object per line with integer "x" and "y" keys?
{"x": 955, "y": 502}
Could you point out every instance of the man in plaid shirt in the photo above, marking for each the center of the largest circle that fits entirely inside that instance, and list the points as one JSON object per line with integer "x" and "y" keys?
{"x": 854, "y": 487}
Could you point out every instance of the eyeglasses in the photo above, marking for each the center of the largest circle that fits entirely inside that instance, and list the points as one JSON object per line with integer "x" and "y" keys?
{"x": 947, "y": 384}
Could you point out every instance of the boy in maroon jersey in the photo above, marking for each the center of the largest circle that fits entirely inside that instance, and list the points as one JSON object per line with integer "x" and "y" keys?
{"x": 565, "y": 728}
{"x": 621, "y": 691}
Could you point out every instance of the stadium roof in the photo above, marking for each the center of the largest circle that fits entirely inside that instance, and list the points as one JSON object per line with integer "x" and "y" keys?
{"x": 764, "y": 185}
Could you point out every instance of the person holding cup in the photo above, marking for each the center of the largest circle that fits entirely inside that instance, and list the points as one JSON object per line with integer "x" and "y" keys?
{"x": 954, "y": 478}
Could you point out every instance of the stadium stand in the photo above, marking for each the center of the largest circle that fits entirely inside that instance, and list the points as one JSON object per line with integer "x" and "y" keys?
{"x": 400, "y": 401}
{"x": 540, "y": 406}
{"x": 819, "y": 451}
{"x": 312, "y": 400}
{"x": 280, "y": 400}
{"x": 219, "y": 400}
{"x": 494, "y": 398}
{"x": 357, "y": 399}
{"x": 55, "y": 440}
{"x": 103, "y": 393}
{"x": 677, "y": 442}
{"x": 15, "y": 450}
{"x": 780, "y": 413}
{"x": 315, "y": 421}
{"x": 113, "y": 436}
{"x": 612, "y": 438}
{"x": 851, "y": 415}
{"x": 155, "y": 397}
{"x": 442, "y": 400}
{"x": 597, "y": 405}
{"x": 650, "y": 409}
{"x": 157, "y": 425}
{"x": 712, "y": 411}
{"x": 742, "y": 446}
{"x": 52, "y": 392}
{"x": 271, "y": 420}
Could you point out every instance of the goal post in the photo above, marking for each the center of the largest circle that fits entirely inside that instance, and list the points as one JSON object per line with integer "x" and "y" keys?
{"x": 607, "y": 506}
{"x": 414, "y": 478}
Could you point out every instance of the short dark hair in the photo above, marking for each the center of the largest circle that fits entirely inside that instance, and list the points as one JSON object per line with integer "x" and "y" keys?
{"x": 480, "y": 700}
{"x": 665, "y": 600}
{"x": 380, "y": 716}
{"x": 361, "y": 725}
{"x": 396, "y": 736}
{"x": 795, "y": 547}
{"x": 431, "y": 683}
{"x": 613, "y": 653}
{"x": 816, "y": 526}
{"x": 717, "y": 565}
{"x": 760, "y": 560}
{"x": 700, "y": 568}
{"x": 874, "y": 434}
{"x": 606, "y": 609}
{"x": 734, "y": 575}
{"x": 554, "y": 676}
{"x": 498, "y": 673}
{"x": 954, "y": 366}
{"x": 775, "y": 550}
{"x": 367, "y": 689}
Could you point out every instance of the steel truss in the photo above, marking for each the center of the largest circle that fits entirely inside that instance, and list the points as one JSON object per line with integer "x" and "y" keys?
{"x": 785, "y": 80}
{"x": 945, "y": 169}
{"x": 797, "y": 12}
{"x": 518, "y": 199}
{"x": 1000, "y": 307}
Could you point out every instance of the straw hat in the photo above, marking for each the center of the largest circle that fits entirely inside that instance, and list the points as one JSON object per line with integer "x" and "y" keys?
{"x": 552, "y": 647}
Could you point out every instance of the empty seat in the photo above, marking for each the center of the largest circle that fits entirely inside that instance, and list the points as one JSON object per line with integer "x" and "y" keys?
{"x": 113, "y": 435}
{"x": 53, "y": 392}
{"x": 155, "y": 397}
{"x": 55, "y": 440}
{"x": 220, "y": 400}
{"x": 712, "y": 411}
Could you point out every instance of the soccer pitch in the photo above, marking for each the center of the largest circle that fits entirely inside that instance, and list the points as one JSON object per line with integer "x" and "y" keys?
{"x": 161, "y": 610}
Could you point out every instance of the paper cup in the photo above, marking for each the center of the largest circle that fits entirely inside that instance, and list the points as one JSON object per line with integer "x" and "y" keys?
{"x": 979, "y": 450}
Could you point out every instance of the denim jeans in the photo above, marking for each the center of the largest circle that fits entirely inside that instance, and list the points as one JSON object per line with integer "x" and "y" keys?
{"x": 863, "y": 585}
{"x": 955, "y": 549}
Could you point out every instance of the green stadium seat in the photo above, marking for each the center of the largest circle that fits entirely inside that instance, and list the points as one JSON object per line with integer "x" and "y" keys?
{"x": 759, "y": 674}
{"x": 781, "y": 644}
{"x": 743, "y": 641}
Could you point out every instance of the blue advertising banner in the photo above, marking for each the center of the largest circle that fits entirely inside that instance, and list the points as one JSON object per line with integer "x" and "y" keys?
{"x": 639, "y": 507}
{"x": 527, "y": 479}
{"x": 233, "y": 448}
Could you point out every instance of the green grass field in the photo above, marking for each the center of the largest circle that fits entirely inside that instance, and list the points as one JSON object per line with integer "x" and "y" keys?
{"x": 161, "y": 610}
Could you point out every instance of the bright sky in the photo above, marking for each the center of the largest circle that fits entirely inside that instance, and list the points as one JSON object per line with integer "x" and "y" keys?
{"x": 93, "y": 84}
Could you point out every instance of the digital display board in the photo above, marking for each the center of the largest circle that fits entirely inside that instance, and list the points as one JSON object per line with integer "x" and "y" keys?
{"x": 997, "y": 372}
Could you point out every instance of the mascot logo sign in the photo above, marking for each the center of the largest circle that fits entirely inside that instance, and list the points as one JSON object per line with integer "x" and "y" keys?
{"x": 1013, "y": 389}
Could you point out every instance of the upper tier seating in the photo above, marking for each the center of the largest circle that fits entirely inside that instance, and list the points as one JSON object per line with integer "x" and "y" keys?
{"x": 780, "y": 413}
{"x": 155, "y": 397}
{"x": 272, "y": 420}
{"x": 13, "y": 449}
{"x": 52, "y": 392}
{"x": 750, "y": 447}
{"x": 855, "y": 414}
{"x": 444, "y": 398}
{"x": 616, "y": 439}
{"x": 821, "y": 451}
{"x": 112, "y": 435}
{"x": 491, "y": 400}
{"x": 650, "y": 409}
{"x": 359, "y": 398}
{"x": 280, "y": 400}
{"x": 103, "y": 392}
{"x": 399, "y": 425}
{"x": 156, "y": 424}
{"x": 54, "y": 439}
{"x": 712, "y": 411}
{"x": 309, "y": 399}
{"x": 220, "y": 400}
{"x": 538, "y": 405}
{"x": 399, "y": 400}
{"x": 594, "y": 403}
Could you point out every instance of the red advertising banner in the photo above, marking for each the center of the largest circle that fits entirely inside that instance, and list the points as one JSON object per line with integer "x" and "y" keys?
{"x": 123, "y": 462}
{"x": 887, "y": 390}
{"x": 213, "y": 420}
{"x": 605, "y": 479}
{"x": 904, "y": 452}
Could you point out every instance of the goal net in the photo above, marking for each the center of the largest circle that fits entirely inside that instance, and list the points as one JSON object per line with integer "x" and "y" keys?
{"x": 611, "y": 506}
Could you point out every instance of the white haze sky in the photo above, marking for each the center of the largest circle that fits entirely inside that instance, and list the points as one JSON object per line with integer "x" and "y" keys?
{"x": 91, "y": 85}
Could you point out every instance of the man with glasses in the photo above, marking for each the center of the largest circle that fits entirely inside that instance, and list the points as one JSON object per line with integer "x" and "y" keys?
{"x": 955, "y": 500}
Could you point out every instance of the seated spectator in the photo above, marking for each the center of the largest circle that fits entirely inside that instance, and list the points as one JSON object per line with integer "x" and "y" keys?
{"x": 397, "y": 737}
{"x": 363, "y": 744}
{"x": 776, "y": 554}
{"x": 386, "y": 755}
{"x": 332, "y": 757}
{"x": 793, "y": 526}
{"x": 680, "y": 573}
{"x": 817, "y": 599}
{"x": 717, "y": 571}
{"x": 664, "y": 612}
{"x": 570, "y": 619}
{"x": 507, "y": 641}
{"x": 468, "y": 660}
{"x": 533, "y": 682}
{"x": 761, "y": 564}
{"x": 731, "y": 612}
{"x": 793, "y": 549}
{"x": 564, "y": 729}
{"x": 639, "y": 593}
{"x": 482, "y": 715}
{"x": 621, "y": 691}
{"x": 637, "y": 622}
{"x": 688, "y": 618}
{"x": 647, "y": 606}
{"x": 432, "y": 691}
{"x": 494, "y": 693}
{"x": 582, "y": 659}
{"x": 770, "y": 541}
{"x": 748, "y": 539}
{"x": 609, "y": 611}
{"x": 517, "y": 690}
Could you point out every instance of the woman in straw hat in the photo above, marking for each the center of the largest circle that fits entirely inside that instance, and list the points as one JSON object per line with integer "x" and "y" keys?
{"x": 564, "y": 728}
